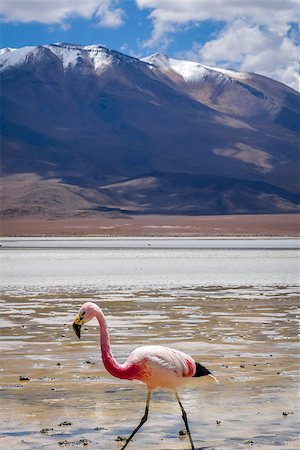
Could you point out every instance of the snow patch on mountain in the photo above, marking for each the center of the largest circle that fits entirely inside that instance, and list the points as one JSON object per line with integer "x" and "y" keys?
{"x": 230, "y": 72}
{"x": 100, "y": 57}
{"x": 6, "y": 50}
{"x": 190, "y": 71}
{"x": 68, "y": 55}
{"x": 14, "y": 57}
{"x": 95, "y": 57}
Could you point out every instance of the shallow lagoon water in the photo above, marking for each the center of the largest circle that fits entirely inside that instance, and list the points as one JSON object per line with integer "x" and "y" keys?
{"x": 235, "y": 309}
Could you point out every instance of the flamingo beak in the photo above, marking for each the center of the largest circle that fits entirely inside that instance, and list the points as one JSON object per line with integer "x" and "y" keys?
{"x": 77, "y": 326}
{"x": 77, "y": 329}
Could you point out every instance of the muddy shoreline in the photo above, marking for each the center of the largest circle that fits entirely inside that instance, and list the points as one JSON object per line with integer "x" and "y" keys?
{"x": 155, "y": 225}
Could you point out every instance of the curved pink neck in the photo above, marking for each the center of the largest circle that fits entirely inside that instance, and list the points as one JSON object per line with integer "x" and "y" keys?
{"x": 110, "y": 364}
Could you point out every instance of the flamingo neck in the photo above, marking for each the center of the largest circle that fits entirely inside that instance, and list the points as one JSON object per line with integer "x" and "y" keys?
{"x": 110, "y": 364}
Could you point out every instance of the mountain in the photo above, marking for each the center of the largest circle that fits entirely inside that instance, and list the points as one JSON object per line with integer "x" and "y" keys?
{"x": 86, "y": 130}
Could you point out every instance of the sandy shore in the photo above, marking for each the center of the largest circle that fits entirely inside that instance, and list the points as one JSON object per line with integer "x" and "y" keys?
{"x": 247, "y": 339}
{"x": 154, "y": 225}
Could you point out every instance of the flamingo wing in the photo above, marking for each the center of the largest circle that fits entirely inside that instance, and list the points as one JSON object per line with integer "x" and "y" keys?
{"x": 160, "y": 366}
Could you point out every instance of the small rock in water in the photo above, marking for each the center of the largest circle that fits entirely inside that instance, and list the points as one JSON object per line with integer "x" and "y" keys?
{"x": 287, "y": 413}
{"x": 249, "y": 442}
{"x": 59, "y": 364}
{"x": 65, "y": 423}
{"x": 46, "y": 430}
{"x": 121, "y": 438}
{"x": 218, "y": 422}
{"x": 182, "y": 433}
{"x": 78, "y": 443}
{"x": 242, "y": 366}
{"x": 24, "y": 378}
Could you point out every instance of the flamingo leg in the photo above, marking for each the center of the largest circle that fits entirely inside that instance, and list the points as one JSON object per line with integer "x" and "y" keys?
{"x": 184, "y": 416}
{"x": 143, "y": 420}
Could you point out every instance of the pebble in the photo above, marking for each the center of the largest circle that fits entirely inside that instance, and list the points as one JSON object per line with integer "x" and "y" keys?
{"x": 287, "y": 413}
{"x": 46, "y": 430}
{"x": 80, "y": 442}
{"x": 121, "y": 438}
{"x": 65, "y": 423}
{"x": 24, "y": 378}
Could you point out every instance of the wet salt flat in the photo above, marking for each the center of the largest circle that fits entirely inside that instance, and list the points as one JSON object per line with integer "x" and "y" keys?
{"x": 234, "y": 308}
{"x": 149, "y": 242}
{"x": 89, "y": 265}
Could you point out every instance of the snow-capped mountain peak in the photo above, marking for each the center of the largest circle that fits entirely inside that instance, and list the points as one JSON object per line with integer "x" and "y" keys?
{"x": 99, "y": 58}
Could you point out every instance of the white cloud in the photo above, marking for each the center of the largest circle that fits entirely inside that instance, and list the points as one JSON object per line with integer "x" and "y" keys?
{"x": 276, "y": 61}
{"x": 274, "y": 13}
{"x": 251, "y": 48}
{"x": 234, "y": 43}
{"x": 109, "y": 16}
{"x": 256, "y": 36}
{"x": 105, "y": 12}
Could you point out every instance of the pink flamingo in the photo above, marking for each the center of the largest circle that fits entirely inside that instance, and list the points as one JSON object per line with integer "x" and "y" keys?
{"x": 154, "y": 365}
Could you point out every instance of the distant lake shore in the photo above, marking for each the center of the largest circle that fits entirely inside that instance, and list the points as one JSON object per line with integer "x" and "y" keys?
{"x": 101, "y": 224}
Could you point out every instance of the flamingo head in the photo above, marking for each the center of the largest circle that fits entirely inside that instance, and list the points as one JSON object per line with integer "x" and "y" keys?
{"x": 86, "y": 312}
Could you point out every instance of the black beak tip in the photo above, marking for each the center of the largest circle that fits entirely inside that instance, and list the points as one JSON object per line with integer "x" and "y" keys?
{"x": 77, "y": 329}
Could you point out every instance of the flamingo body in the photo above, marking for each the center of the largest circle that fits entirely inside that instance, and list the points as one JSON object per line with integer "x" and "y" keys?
{"x": 160, "y": 367}
{"x": 155, "y": 365}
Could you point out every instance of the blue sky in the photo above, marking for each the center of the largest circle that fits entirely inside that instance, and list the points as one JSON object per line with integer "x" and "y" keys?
{"x": 257, "y": 36}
